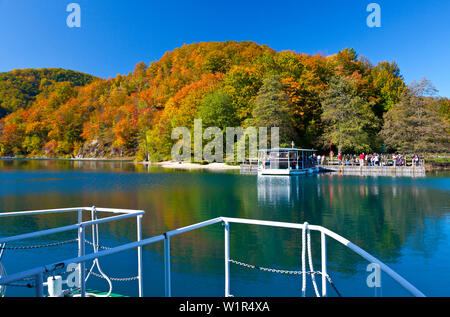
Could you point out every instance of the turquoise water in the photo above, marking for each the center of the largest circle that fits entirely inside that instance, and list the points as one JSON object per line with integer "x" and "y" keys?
{"x": 405, "y": 222}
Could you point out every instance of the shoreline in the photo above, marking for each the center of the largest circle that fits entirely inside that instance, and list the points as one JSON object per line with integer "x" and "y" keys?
{"x": 66, "y": 159}
{"x": 163, "y": 164}
{"x": 429, "y": 167}
{"x": 192, "y": 166}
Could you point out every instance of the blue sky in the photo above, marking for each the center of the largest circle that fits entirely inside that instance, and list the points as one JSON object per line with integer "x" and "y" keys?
{"x": 116, "y": 35}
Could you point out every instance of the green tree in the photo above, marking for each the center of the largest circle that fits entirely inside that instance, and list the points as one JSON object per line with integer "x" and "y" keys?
{"x": 217, "y": 110}
{"x": 389, "y": 84}
{"x": 242, "y": 84}
{"x": 444, "y": 108}
{"x": 348, "y": 119}
{"x": 415, "y": 124}
{"x": 273, "y": 108}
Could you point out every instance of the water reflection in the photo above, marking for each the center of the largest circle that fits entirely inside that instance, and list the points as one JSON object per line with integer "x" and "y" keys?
{"x": 275, "y": 189}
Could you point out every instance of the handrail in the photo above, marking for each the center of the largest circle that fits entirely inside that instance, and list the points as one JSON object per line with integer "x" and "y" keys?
{"x": 81, "y": 228}
{"x": 39, "y": 271}
{"x": 193, "y": 227}
{"x": 408, "y": 286}
{"x": 60, "y": 210}
{"x": 35, "y": 234}
{"x": 37, "y": 212}
{"x": 62, "y": 264}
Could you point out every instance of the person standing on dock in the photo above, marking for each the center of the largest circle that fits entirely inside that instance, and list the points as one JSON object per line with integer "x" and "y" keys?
{"x": 377, "y": 159}
{"x": 361, "y": 159}
{"x": 347, "y": 160}
{"x": 416, "y": 159}
{"x": 339, "y": 159}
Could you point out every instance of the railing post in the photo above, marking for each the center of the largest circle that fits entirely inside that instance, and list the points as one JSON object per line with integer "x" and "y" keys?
{"x": 227, "y": 258}
{"x": 167, "y": 265}
{"x": 81, "y": 252}
{"x": 304, "y": 259}
{"x": 139, "y": 249}
{"x": 324, "y": 263}
{"x": 39, "y": 281}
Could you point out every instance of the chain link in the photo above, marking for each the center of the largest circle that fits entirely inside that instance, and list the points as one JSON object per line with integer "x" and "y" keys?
{"x": 54, "y": 244}
{"x": 98, "y": 246}
{"x": 272, "y": 269}
{"x": 27, "y": 247}
{"x": 117, "y": 279}
{"x": 27, "y": 285}
{"x": 251, "y": 266}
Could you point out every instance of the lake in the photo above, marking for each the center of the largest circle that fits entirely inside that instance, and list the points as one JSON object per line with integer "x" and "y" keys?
{"x": 405, "y": 222}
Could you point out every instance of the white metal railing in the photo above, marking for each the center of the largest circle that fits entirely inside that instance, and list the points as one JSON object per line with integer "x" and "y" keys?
{"x": 383, "y": 162}
{"x": 287, "y": 163}
{"x": 39, "y": 272}
{"x": 80, "y": 226}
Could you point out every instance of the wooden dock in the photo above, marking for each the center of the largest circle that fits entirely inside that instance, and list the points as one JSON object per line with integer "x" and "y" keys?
{"x": 411, "y": 171}
{"x": 249, "y": 169}
{"x": 394, "y": 171}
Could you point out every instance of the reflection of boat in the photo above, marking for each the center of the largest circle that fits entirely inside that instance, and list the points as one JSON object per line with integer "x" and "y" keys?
{"x": 284, "y": 161}
{"x": 274, "y": 188}
{"x": 51, "y": 275}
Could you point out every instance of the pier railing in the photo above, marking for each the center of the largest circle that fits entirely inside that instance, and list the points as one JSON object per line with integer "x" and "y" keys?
{"x": 39, "y": 272}
{"x": 382, "y": 163}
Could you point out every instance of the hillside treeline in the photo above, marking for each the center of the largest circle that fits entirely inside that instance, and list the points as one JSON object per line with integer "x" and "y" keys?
{"x": 312, "y": 98}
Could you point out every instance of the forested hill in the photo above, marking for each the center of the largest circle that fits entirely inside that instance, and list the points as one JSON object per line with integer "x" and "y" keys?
{"x": 19, "y": 88}
{"x": 227, "y": 84}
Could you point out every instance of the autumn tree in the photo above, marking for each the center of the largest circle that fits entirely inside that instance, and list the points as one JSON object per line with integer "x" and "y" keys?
{"x": 55, "y": 112}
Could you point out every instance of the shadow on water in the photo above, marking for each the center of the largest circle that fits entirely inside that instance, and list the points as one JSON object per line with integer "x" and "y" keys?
{"x": 402, "y": 221}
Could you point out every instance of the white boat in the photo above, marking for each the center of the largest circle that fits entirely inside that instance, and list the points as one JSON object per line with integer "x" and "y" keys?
{"x": 285, "y": 161}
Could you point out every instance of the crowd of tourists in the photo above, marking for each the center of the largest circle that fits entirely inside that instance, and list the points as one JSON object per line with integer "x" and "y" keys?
{"x": 373, "y": 159}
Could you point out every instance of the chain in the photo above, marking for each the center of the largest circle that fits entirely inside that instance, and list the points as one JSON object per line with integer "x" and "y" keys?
{"x": 54, "y": 244}
{"x": 251, "y": 266}
{"x": 117, "y": 279}
{"x": 98, "y": 246}
{"x": 272, "y": 270}
{"x": 27, "y": 285}
{"x": 26, "y": 247}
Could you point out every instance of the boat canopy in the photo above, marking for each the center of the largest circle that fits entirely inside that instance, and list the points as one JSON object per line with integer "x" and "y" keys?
{"x": 286, "y": 159}
{"x": 286, "y": 150}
